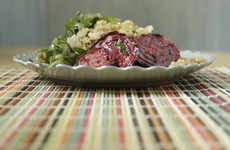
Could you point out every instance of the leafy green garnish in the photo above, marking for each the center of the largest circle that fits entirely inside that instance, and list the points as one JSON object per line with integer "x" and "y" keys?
{"x": 79, "y": 50}
{"x": 112, "y": 20}
{"x": 120, "y": 45}
{"x": 59, "y": 52}
{"x": 80, "y": 21}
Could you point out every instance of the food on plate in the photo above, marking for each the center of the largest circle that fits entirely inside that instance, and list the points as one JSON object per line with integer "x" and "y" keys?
{"x": 187, "y": 61}
{"x": 82, "y": 31}
{"x": 85, "y": 37}
{"x": 156, "y": 50}
{"x": 97, "y": 57}
{"x": 122, "y": 47}
{"x": 97, "y": 41}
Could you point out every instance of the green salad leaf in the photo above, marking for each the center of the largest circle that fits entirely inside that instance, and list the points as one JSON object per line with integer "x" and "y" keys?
{"x": 112, "y": 20}
{"x": 60, "y": 52}
{"x": 80, "y": 21}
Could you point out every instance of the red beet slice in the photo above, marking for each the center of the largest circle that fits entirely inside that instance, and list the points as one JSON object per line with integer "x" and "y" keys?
{"x": 124, "y": 48}
{"x": 156, "y": 50}
{"x": 96, "y": 57}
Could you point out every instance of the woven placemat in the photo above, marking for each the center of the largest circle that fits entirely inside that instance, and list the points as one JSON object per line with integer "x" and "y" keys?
{"x": 192, "y": 113}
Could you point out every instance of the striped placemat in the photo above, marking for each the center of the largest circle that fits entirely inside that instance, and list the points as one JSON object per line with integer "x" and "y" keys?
{"x": 192, "y": 113}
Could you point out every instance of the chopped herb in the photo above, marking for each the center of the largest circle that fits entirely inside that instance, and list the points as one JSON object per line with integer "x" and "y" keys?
{"x": 120, "y": 45}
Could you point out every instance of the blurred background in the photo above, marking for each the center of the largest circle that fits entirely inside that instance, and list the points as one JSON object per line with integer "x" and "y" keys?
{"x": 190, "y": 24}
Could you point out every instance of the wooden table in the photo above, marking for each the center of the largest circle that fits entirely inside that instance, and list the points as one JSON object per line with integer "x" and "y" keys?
{"x": 7, "y": 53}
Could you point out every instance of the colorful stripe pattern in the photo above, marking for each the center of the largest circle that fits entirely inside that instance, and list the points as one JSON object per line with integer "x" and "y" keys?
{"x": 192, "y": 113}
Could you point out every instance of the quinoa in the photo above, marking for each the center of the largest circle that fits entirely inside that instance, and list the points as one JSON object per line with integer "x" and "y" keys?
{"x": 87, "y": 36}
{"x": 187, "y": 61}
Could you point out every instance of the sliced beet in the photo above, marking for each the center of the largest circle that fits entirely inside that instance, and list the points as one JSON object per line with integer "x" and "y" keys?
{"x": 96, "y": 57}
{"x": 156, "y": 50}
{"x": 124, "y": 48}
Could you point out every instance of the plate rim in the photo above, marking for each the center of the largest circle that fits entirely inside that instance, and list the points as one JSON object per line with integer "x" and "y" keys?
{"x": 54, "y": 72}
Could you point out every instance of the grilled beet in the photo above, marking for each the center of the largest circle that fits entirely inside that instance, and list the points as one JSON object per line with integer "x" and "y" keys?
{"x": 156, "y": 50}
{"x": 96, "y": 57}
{"x": 122, "y": 47}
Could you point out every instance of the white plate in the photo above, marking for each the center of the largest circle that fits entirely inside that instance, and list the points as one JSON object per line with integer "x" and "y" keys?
{"x": 110, "y": 76}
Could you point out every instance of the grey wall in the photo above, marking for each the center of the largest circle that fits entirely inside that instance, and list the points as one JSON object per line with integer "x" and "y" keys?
{"x": 190, "y": 24}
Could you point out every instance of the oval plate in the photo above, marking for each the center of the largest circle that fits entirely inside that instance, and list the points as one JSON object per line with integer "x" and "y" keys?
{"x": 114, "y": 77}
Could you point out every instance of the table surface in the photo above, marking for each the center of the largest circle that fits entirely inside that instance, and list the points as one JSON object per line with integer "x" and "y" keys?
{"x": 191, "y": 113}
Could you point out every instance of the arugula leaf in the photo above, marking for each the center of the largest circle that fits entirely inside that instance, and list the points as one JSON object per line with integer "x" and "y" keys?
{"x": 42, "y": 56}
{"x": 80, "y": 21}
{"x": 79, "y": 50}
{"x": 58, "y": 52}
{"x": 70, "y": 24}
{"x": 112, "y": 20}
{"x": 89, "y": 22}
{"x": 55, "y": 63}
